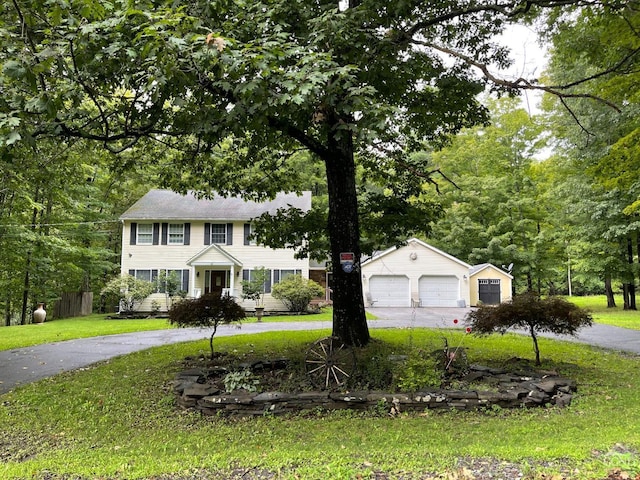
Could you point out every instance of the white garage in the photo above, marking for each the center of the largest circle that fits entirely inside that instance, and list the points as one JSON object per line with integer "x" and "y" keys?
{"x": 389, "y": 291}
{"x": 439, "y": 291}
{"x": 418, "y": 274}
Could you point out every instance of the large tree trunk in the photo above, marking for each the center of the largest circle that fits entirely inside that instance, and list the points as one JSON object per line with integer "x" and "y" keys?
{"x": 349, "y": 320}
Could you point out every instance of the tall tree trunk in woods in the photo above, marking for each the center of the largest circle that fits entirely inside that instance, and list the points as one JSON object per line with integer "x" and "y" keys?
{"x": 25, "y": 290}
{"x": 7, "y": 312}
{"x": 611, "y": 301}
{"x": 631, "y": 287}
{"x": 27, "y": 269}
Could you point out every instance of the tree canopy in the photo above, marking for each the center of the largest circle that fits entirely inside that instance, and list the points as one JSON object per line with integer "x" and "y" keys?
{"x": 228, "y": 92}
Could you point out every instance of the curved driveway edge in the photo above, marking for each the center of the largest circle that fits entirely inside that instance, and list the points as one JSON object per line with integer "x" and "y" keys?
{"x": 25, "y": 365}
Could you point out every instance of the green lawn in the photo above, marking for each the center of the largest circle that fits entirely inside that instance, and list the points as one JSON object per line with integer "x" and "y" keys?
{"x": 618, "y": 317}
{"x": 118, "y": 420}
{"x": 95, "y": 325}
{"x": 67, "y": 329}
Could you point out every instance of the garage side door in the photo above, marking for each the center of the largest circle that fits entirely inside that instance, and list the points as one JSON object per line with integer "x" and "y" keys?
{"x": 439, "y": 291}
{"x": 390, "y": 291}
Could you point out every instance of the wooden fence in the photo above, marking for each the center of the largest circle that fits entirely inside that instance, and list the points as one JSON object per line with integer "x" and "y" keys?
{"x": 73, "y": 304}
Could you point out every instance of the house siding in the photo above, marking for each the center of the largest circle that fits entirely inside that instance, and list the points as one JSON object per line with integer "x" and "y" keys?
{"x": 175, "y": 257}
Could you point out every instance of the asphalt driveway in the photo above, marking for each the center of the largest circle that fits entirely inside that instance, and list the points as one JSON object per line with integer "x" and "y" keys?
{"x": 24, "y": 365}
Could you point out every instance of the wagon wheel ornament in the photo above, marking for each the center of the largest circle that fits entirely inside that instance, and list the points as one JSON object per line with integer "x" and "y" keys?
{"x": 330, "y": 363}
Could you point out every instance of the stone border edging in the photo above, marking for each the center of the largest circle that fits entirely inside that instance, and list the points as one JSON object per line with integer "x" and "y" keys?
{"x": 513, "y": 391}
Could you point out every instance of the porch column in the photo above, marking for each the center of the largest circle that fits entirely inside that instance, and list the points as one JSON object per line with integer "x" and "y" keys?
{"x": 232, "y": 280}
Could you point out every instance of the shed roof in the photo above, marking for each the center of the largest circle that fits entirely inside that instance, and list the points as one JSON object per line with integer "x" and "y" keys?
{"x": 478, "y": 268}
{"x": 168, "y": 205}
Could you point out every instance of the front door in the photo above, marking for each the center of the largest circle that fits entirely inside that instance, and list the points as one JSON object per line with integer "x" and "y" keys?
{"x": 215, "y": 281}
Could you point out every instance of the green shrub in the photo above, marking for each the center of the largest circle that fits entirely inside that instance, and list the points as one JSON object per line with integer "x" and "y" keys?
{"x": 296, "y": 292}
{"x": 128, "y": 290}
{"x": 244, "y": 380}
{"x": 419, "y": 371}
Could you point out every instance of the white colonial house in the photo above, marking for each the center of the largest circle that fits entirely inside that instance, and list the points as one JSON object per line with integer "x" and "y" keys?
{"x": 206, "y": 243}
{"x": 420, "y": 275}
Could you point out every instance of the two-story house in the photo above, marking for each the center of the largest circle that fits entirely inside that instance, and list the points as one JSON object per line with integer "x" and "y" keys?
{"x": 205, "y": 243}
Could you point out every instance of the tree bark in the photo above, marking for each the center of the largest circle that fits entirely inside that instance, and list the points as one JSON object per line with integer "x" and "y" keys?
{"x": 536, "y": 347}
{"x": 631, "y": 289}
{"x": 625, "y": 296}
{"x": 349, "y": 320}
{"x": 611, "y": 300}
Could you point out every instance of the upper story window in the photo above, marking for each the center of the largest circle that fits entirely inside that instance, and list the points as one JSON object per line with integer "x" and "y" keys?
{"x": 248, "y": 232}
{"x": 145, "y": 234}
{"x": 219, "y": 233}
{"x": 176, "y": 234}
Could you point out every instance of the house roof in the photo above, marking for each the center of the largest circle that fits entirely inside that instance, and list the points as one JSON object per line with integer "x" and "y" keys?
{"x": 165, "y": 204}
{"x": 478, "y": 268}
{"x": 418, "y": 242}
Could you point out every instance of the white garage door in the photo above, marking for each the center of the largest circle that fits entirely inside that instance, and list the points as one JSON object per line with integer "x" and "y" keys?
{"x": 390, "y": 291}
{"x": 439, "y": 291}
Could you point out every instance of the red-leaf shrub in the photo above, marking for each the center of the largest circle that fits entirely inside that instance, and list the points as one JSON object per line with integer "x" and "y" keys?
{"x": 529, "y": 311}
{"x": 209, "y": 310}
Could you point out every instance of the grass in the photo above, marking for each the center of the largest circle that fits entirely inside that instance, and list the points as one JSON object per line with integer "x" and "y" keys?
{"x": 617, "y": 316}
{"x": 18, "y": 336}
{"x": 58, "y": 330}
{"x": 118, "y": 420}
{"x": 94, "y": 325}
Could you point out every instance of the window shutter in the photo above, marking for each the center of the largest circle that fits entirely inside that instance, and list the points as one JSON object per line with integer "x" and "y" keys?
{"x": 245, "y": 275}
{"x": 267, "y": 286}
{"x": 298, "y": 272}
{"x": 185, "y": 280}
{"x": 229, "y": 233}
{"x": 154, "y": 276}
{"x": 134, "y": 233}
{"x": 207, "y": 234}
{"x": 276, "y": 276}
{"x": 187, "y": 233}
{"x": 156, "y": 233}
{"x": 247, "y": 232}
{"x": 132, "y": 273}
{"x": 165, "y": 233}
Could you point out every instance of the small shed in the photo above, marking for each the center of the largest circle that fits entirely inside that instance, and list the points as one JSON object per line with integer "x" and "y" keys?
{"x": 489, "y": 285}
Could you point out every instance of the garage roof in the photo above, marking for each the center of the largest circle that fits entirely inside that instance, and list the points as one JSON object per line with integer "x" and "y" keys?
{"x": 418, "y": 242}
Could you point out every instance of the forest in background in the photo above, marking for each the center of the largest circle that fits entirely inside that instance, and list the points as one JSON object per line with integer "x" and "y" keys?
{"x": 555, "y": 193}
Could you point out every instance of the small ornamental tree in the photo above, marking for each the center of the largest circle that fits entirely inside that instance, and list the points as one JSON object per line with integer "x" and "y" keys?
{"x": 169, "y": 283}
{"x": 129, "y": 291}
{"x": 254, "y": 288}
{"x": 209, "y": 310}
{"x": 529, "y": 311}
{"x": 296, "y": 292}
